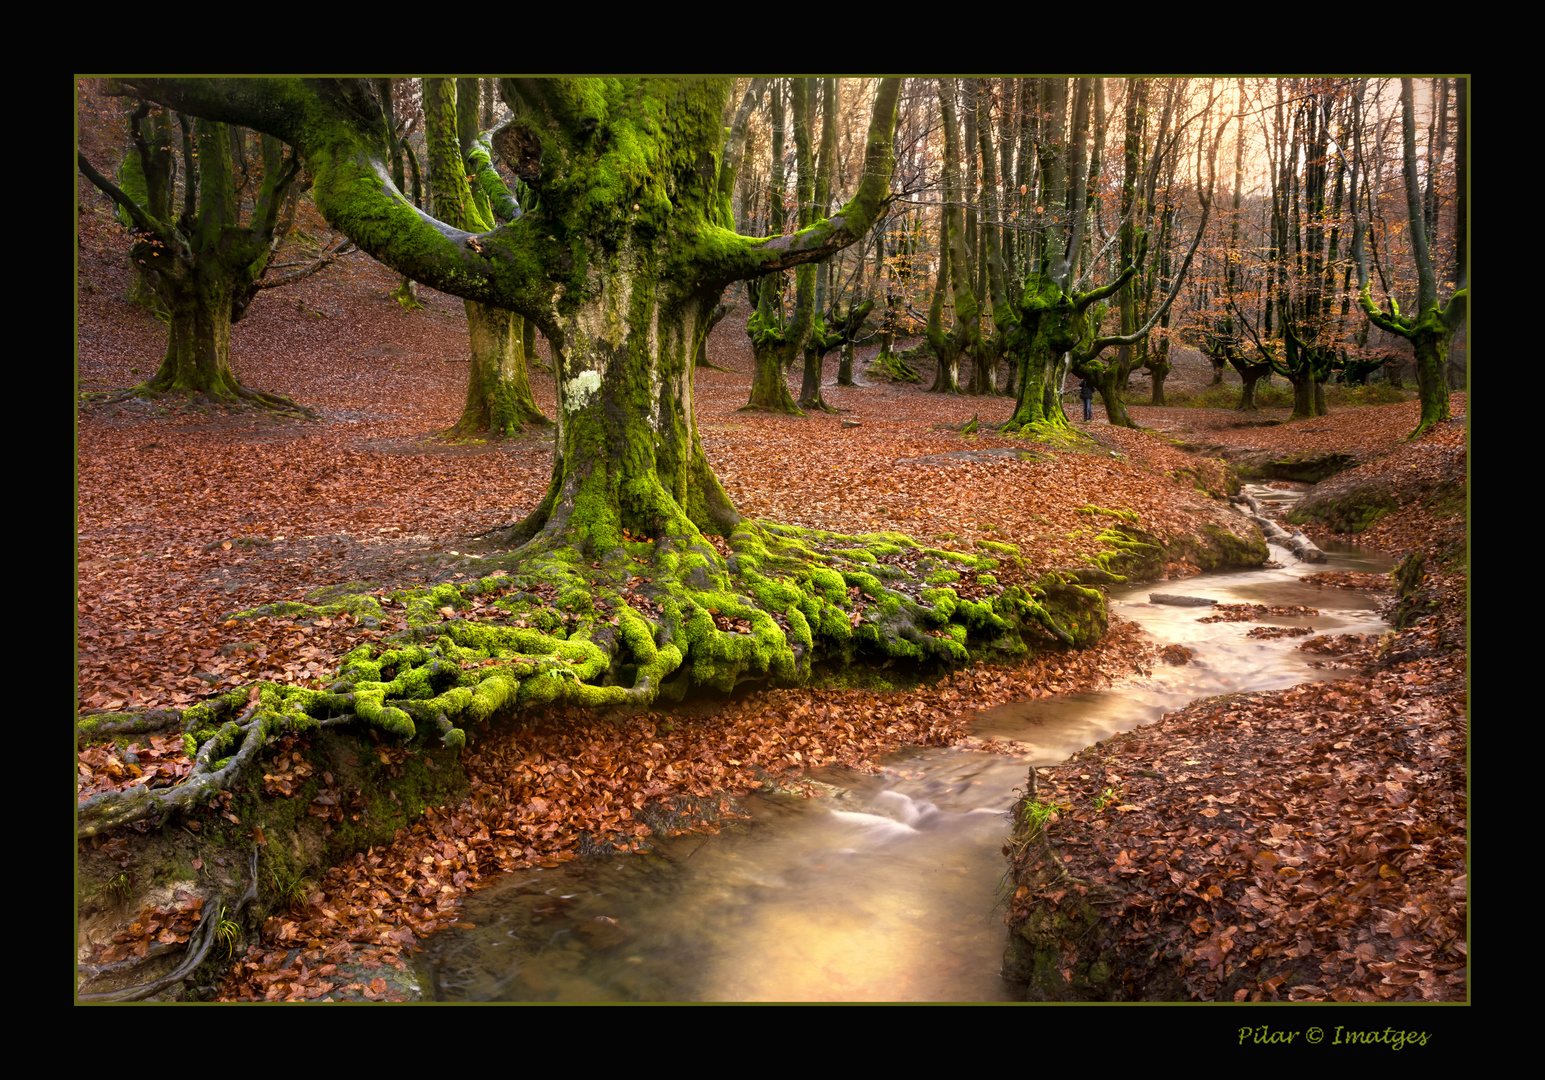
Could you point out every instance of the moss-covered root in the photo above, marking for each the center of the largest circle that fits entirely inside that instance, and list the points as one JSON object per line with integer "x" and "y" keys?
{"x": 232, "y": 393}
{"x": 770, "y": 605}
{"x": 222, "y": 752}
{"x": 555, "y": 627}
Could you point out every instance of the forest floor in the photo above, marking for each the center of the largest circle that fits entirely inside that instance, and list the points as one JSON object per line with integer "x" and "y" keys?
{"x": 187, "y": 513}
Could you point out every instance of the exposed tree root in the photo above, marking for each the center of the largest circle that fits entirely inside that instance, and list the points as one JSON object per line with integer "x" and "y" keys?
{"x": 816, "y": 404}
{"x": 198, "y": 948}
{"x": 549, "y": 625}
{"x": 242, "y": 396}
{"x": 277, "y": 402}
{"x": 262, "y": 719}
{"x": 101, "y": 724}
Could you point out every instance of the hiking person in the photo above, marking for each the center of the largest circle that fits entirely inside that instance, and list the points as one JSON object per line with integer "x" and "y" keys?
{"x": 1086, "y": 394}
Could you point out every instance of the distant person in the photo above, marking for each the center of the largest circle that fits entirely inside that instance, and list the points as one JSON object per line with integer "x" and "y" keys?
{"x": 1086, "y": 394}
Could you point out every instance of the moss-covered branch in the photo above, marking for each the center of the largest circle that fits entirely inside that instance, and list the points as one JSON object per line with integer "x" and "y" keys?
{"x": 142, "y": 221}
{"x": 348, "y": 152}
{"x": 726, "y": 257}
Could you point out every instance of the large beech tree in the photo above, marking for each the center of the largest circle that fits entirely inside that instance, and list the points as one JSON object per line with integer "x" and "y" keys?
{"x": 623, "y": 258}
{"x": 1051, "y": 321}
{"x": 204, "y": 257}
{"x": 954, "y": 264}
{"x": 498, "y": 388}
{"x": 626, "y": 254}
{"x": 775, "y": 341}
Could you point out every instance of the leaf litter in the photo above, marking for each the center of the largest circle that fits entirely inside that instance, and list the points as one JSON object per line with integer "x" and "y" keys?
{"x": 188, "y": 513}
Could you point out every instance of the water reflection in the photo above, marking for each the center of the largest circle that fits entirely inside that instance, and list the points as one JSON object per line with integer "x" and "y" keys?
{"x": 886, "y": 891}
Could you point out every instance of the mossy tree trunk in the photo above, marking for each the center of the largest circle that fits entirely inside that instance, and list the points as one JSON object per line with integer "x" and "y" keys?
{"x": 206, "y": 265}
{"x": 774, "y": 341}
{"x": 1300, "y": 336}
{"x": 198, "y": 344}
{"x": 1049, "y": 321}
{"x": 499, "y": 396}
{"x": 1158, "y": 361}
{"x": 954, "y": 261}
{"x": 1251, "y": 374}
{"x": 1135, "y": 300}
{"x": 628, "y": 459}
{"x": 771, "y": 356}
{"x": 852, "y": 317}
{"x": 821, "y": 339}
{"x": 145, "y": 176}
{"x": 810, "y": 384}
{"x": 1159, "y": 367}
{"x": 499, "y": 399}
{"x": 1054, "y": 324}
{"x": 1109, "y": 386}
{"x": 1306, "y": 367}
{"x": 845, "y": 364}
{"x": 824, "y": 338}
{"x": 1221, "y": 341}
{"x": 1050, "y": 324}
{"x": 1132, "y": 207}
{"x": 993, "y": 256}
{"x": 715, "y": 317}
{"x": 850, "y": 323}
{"x": 945, "y": 344}
{"x": 1432, "y": 326}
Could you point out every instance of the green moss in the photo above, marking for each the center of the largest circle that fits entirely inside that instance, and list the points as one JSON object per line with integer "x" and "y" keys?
{"x": 329, "y": 602}
{"x": 864, "y": 583}
{"x": 1354, "y": 513}
{"x": 943, "y": 601}
{"x": 1128, "y": 516}
{"x": 1008, "y": 550}
{"x": 1230, "y": 550}
{"x": 894, "y": 368}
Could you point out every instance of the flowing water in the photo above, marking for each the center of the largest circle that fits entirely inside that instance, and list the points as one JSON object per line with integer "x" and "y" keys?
{"x": 887, "y": 888}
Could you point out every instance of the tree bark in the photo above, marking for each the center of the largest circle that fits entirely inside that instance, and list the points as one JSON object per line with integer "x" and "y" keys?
{"x": 775, "y": 342}
{"x": 816, "y": 345}
{"x": 965, "y": 337}
{"x": 498, "y": 399}
{"x": 619, "y": 264}
{"x": 206, "y": 266}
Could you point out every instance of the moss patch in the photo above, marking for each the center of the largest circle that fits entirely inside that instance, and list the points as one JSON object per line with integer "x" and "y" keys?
{"x": 1308, "y": 468}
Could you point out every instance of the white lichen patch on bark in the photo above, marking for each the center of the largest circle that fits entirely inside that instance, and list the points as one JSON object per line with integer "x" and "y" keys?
{"x": 578, "y": 391}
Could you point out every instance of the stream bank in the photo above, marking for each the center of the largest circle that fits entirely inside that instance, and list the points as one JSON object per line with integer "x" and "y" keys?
{"x": 1306, "y": 843}
{"x": 881, "y": 887}
{"x": 318, "y": 812}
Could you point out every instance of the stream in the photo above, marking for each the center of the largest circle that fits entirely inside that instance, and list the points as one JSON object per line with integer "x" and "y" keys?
{"x": 887, "y": 888}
